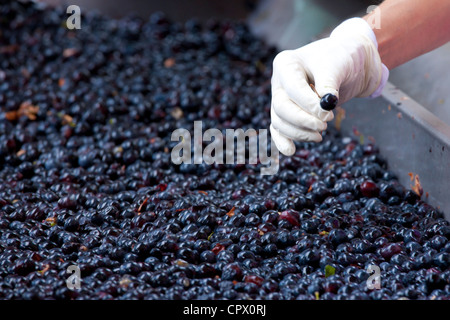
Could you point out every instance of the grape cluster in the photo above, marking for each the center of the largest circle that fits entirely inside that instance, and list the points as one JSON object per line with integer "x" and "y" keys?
{"x": 86, "y": 177}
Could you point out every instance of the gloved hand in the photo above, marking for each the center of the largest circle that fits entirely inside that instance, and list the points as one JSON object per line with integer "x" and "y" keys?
{"x": 347, "y": 65}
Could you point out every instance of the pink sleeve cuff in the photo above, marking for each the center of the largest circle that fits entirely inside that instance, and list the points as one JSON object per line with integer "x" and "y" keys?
{"x": 384, "y": 79}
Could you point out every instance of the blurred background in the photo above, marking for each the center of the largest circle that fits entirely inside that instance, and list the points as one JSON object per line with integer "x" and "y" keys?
{"x": 297, "y": 21}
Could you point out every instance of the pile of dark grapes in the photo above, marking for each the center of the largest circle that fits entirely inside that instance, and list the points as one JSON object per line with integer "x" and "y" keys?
{"x": 86, "y": 177}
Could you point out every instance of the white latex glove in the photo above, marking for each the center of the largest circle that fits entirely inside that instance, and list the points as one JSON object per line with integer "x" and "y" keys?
{"x": 347, "y": 65}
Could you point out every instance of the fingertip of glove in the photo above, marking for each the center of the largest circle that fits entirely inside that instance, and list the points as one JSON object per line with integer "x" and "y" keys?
{"x": 284, "y": 145}
{"x": 287, "y": 150}
{"x": 318, "y": 137}
{"x": 326, "y": 116}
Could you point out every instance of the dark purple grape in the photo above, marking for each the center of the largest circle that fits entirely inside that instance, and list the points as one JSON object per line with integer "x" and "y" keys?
{"x": 369, "y": 189}
{"x": 86, "y": 176}
{"x": 328, "y": 102}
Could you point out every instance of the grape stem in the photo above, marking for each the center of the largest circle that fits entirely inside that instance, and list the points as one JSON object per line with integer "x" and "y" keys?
{"x": 314, "y": 89}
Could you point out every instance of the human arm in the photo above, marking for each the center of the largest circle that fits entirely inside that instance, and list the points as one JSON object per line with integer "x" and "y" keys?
{"x": 352, "y": 62}
{"x": 409, "y": 28}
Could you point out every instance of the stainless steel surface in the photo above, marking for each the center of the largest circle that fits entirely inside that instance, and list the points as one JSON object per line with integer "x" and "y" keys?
{"x": 427, "y": 80}
{"x": 289, "y": 24}
{"x": 413, "y": 136}
{"x": 410, "y": 137}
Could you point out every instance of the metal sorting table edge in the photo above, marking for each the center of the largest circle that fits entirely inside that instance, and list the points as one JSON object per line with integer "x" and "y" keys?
{"x": 411, "y": 139}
